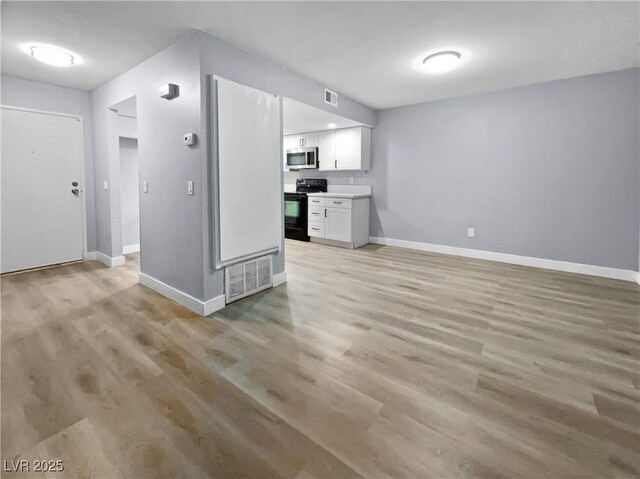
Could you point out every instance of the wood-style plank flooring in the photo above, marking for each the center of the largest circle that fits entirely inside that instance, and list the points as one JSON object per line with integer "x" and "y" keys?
{"x": 378, "y": 362}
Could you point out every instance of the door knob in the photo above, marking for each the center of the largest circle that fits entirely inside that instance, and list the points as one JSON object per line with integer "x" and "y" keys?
{"x": 74, "y": 183}
{"x": 75, "y": 191}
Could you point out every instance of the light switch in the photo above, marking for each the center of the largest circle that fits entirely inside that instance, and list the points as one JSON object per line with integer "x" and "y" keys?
{"x": 145, "y": 186}
{"x": 105, "y": 185}
{"x": 190, "y": 187}
{"x": 471, "y": 232}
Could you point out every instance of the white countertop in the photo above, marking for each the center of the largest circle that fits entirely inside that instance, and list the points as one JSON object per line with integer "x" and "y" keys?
{"x": 340, "y": 191}
{"x": 353, "y": 196}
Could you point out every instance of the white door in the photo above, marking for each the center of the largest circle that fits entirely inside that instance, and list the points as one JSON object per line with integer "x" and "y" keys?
{"x": 348, "y": 148}
{"x": 337, "y": 224}
{"x": 309, "y": 140}
{"x": 41, "y": 214}
{"x": 327, "y": 150}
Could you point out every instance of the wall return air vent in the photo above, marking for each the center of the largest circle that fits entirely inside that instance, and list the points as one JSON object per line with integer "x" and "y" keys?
{"x": 330, "y": 97}
{"x": 247, "y": 278}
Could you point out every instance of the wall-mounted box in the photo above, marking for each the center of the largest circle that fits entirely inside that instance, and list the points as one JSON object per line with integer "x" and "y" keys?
{"x": 169, "y": 91}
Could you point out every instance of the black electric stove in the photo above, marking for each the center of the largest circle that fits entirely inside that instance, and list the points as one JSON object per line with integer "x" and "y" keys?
{"x": 295, "y": 207}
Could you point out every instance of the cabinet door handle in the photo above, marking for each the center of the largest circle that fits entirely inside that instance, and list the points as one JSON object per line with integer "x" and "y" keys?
{"x": 337, "y": 202}
{"x": 315, "y": 229}
{"x": 325, "y": 212}
{"x": 335, "y": 164}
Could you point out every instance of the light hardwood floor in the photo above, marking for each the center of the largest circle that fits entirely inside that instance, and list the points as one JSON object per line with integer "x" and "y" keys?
{"x": 378, "y": 362}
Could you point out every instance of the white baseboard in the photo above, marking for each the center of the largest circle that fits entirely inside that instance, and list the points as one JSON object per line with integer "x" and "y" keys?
{"x": 213, "y": 305}
{"x": 605, "y": 272}
{"x": 279, "y": 279}
{"x": 131, "y": 248}
{"x": 203, "y": 308}
{"x": 103, "y": 258}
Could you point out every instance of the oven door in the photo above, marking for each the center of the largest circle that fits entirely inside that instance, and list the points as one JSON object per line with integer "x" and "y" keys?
{"x": 295, "y": 210}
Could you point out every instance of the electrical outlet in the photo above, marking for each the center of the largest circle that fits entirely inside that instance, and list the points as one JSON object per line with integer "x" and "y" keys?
{"x": 351, "y": 180}
{"x": 105, "y": 185}
{"x": 145, "y": 186}
{"x": 471, "y": 232}
{"x": 190, "y": 187}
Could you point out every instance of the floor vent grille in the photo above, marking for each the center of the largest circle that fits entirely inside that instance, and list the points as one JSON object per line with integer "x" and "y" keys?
{"x": 247, "y": 278}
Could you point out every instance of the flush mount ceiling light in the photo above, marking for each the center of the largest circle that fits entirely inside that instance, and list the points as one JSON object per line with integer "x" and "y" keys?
{"x": 51, "y": 55}
{"x": 440, "y": 61}
{"x": 332, "y": 125}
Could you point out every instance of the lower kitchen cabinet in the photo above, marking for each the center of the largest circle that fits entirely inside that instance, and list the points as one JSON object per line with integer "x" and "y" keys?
{"x": 339, "y": 221}
{"x": 338, "y": 224}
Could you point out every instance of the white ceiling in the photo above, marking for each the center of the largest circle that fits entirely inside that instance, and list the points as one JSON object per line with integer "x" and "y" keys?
{"x": 360, "y": 49}
{"x": 299, "y": 117}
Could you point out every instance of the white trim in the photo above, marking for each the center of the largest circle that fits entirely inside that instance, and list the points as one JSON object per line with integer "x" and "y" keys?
{"x": 279, "y": 279}
{"x": 131, "y": 248}
{"x": 103, "y": 258}
{"x": 605, "y": 272}
{"x": 203, "y": 308}
{"x": 638, "y": 277}
{"x": 44, "y": 112}
{"x": 213, "y": 305}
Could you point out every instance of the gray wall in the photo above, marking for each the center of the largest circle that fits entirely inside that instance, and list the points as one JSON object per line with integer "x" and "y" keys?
{"x": 176, "y": 232}
{"x": 170, "y": 229}
{"x": 129, "y": 191}
{"x": 549, "y": 170}
{"x": 40, "y": 96}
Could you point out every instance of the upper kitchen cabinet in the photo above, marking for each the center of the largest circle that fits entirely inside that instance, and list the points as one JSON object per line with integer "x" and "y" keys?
{"x": 304, "y": 140}
{"x": 290, "y": 142}
{"x": 342, "y": 143}
{"x": 345, "y": 149}
{"x": 327, "y": 150}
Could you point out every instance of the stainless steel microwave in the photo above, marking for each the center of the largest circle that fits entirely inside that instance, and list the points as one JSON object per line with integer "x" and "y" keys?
{"x": 299, "y": 158}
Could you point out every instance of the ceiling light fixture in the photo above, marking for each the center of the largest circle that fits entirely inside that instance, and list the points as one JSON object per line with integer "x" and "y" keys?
{"x": 51, "y": 55}
{"x": 440, "y": 61}
{"x": 332, "y": 125}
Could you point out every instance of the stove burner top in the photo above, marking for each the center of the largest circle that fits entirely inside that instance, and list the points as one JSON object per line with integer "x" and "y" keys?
{"x": 311, "y": 185}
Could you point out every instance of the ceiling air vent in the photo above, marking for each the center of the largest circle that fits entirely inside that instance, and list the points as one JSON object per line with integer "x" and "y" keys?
{"x": 247, "y": 278}
{"x": 330, "y": 97}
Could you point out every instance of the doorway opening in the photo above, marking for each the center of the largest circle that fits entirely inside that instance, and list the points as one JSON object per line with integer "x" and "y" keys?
{"x": 129, "y": 175}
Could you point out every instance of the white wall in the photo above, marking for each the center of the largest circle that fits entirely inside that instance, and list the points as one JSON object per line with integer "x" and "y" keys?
{"x": 40, "y": 96}
{"x": 129, "y": 195}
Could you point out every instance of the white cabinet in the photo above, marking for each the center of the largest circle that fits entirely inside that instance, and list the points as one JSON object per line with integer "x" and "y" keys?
{"x": 309, "y": 139}
{"x": 327, "y": 150}
{"x": 304, "y": 140}
{"x": 337, "y": 224}
{"x": 339, "y": 221}
{"x": 345, "y": 149}
{"x": 353, "y": 149}
{"x": 291, "y": 141}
